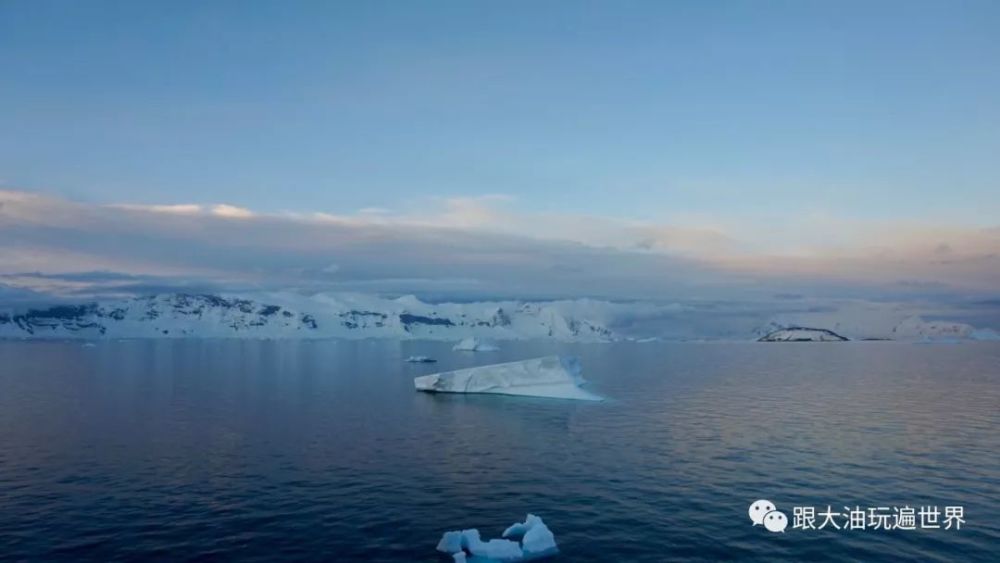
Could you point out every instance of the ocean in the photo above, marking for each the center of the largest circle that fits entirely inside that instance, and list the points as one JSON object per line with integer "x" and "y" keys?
{"x": 179, "y": 450}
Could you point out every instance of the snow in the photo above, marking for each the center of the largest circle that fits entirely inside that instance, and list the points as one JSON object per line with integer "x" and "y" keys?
{"x": 536, "y": 541}
{"x": 294, "y": 315}
{"x": 474, "y": 345}
{"x": 862, "y": 320}
{"x": 286, "y": 314}
{"x": 550, "y": 376}
{"x": 420, "y": 360}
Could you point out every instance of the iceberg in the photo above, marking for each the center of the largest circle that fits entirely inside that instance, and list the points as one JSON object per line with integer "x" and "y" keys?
{"x": 474, "y": 345}
{"x": 420, "y": 360}
{"x": 536, "y": 541}
{"x": 550, "y": 376}
{"x": 451, "y": 542}
{"x": 495, "y": 549}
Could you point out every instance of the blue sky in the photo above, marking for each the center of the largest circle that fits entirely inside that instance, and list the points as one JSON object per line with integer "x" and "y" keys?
{"x": 633, "y": 109}
{"x": 752, "y": 121}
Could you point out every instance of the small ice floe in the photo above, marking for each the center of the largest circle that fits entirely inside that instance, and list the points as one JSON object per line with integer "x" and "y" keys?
{"x": 551, "y": 376}
{"x": 88, "y": 345}
{"x": 536, "y": 541}
{"x": 475, "y": 345}
{"x": 420, "y": 360}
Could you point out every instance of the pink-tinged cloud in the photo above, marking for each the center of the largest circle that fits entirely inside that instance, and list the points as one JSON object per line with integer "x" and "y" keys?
{"x": 489, "y": 244}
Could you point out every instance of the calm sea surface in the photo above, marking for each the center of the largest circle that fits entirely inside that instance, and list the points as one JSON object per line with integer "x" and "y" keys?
{"x": 219, "y": 450}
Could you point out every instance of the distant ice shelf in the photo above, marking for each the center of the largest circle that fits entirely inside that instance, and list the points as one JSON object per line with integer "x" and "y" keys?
{"x": 550, "y": 376}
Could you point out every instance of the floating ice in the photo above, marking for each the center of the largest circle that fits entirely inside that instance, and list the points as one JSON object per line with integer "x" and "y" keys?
{"x": 551, "y": 376}
{"x": 420, "y": 360}
{"x": 474, "y": 345}
{"x": 450, "y": 542}
{"x": 498, "y": 549}
{"x": 536, "y": 541}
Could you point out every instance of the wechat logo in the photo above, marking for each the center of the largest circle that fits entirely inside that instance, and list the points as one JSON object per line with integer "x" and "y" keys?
{"x": 765, "y": 513}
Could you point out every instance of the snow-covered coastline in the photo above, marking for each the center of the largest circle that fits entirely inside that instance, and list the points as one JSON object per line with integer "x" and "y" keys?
{"x": 853, "y": 320}
{"x": 287, "y": 315}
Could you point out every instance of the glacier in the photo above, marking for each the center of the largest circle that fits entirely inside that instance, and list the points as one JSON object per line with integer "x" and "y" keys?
{"x": 556, "y": 377}
{"x": 536, "y": 541}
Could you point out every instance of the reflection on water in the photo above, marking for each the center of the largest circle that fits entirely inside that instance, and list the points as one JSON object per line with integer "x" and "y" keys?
{"x": 322, "y": 450}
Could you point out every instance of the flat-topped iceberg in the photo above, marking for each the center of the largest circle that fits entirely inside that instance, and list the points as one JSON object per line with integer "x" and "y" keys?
{"x": 536, "y": 541}
{"x": 551, "y": 376}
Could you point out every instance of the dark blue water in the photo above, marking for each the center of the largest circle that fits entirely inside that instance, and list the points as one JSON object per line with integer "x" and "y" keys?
{"x": 222, "y": 450}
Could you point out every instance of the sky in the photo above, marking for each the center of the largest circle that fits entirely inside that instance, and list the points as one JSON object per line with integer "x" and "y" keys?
{"x": 626, "y": 149}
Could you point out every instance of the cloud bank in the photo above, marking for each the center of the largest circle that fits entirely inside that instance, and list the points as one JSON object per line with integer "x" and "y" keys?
{"x": 484, "y": 246}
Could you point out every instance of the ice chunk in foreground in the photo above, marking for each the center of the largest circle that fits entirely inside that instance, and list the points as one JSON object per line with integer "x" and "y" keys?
{"x": 474, "y": 345}
{"x": 536, "y": 541}
{"x": 551, "y": 376}
{"x": 420, "y": 360}
{"x": 495, "y": 549}
{"x": 450, "y": 542}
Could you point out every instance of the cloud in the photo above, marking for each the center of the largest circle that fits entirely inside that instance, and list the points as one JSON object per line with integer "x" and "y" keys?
{"x": 231, "y": 212}
{"x": 180, "y": 209}
{"x": 483, "y": 245}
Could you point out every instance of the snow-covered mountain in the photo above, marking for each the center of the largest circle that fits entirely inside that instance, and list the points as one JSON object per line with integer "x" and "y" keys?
{"x": 282, "y": 315}
{"x": 871, "y": 321}
{"x": 292, "y": 315}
